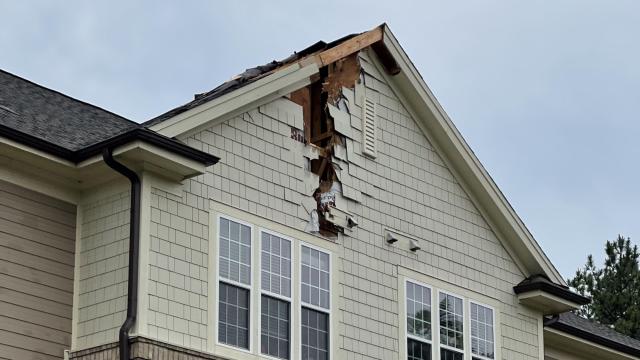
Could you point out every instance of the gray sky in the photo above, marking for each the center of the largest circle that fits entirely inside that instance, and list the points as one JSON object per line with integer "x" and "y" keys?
{"x": 545, "y": 92}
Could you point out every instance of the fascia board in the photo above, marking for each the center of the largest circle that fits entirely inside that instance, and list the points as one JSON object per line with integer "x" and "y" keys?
{"x": 277, "y": 84}
{"x": 170, "y": 164}
{"x": 548, "y": 303}
{"x": 558, "y": 339}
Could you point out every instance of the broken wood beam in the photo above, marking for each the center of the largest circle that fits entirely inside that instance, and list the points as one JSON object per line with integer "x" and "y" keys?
{"x": 351, "y": 46}
{"x": 322, "y": 136}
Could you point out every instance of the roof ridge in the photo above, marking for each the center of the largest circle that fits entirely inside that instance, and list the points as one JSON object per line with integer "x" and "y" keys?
{"x": 69, "y": 97}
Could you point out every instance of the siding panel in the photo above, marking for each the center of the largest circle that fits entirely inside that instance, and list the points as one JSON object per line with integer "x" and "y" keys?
{"x": 103, "y": 257}
{"x": 35, "y": 276}
{"x": 37, "y": 245}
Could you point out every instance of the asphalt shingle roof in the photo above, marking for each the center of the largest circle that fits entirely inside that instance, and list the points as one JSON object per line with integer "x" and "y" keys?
{"x": 584, "y": 328}
{"x": 56, "y": 118}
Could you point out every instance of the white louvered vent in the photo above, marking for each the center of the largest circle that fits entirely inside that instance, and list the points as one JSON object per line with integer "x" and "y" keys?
{"x": 369, "y": 127}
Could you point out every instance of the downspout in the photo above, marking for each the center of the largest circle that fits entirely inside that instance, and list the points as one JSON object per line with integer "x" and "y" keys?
{"x": 134, "y": 249}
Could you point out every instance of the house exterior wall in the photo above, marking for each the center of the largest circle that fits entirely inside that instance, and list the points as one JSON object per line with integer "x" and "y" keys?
{"x": 407, "y": 188}
{"x": 37, "y": 245}
{"x": 102, "y": 264}
{"x": 178, "y": 270}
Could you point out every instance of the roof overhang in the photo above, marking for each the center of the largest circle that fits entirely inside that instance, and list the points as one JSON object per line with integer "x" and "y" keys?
{"x": 539, "y": 293}
{"x": 559, "y": 341}
{"x": 547, "y": 304}
{"x": 262, "y": 91}
{"x": 141, "y": 155}
{"x": 66, "y": 174}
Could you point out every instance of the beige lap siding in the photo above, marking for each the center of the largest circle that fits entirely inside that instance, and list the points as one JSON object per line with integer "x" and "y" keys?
{"x": 36, "y": 274}
{"x": 407, "y": 187}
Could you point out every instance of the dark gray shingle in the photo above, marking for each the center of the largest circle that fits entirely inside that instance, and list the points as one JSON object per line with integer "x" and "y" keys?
{"x": 592, "y": 331}
{"x": 54, "y": 117}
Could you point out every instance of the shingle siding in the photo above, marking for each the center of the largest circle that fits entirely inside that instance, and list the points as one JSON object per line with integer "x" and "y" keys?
{"x": 104, "y": 244}
{"x": 407, "y": 188}
{"x": 178, "y": 267}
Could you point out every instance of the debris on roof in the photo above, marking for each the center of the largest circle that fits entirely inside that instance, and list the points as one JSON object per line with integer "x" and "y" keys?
{"x": 322, "y": 53}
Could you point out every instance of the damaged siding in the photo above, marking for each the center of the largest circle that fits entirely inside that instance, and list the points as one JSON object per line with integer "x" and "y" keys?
{"x": 104, "y": 244}
{"x": 406, "y": 188}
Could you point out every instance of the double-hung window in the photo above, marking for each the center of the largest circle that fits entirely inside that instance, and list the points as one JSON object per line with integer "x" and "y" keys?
{"x": 275, "y": 301}
{"x": 234, "y": 269}
{"x": 419, "y": 335}
{"x": 273, "y": 294}
{"x": 451, "y": 316}
{"x": 482, "y": 332}
{"x": 444, "y": 326}
{"x": 315, "y": 300}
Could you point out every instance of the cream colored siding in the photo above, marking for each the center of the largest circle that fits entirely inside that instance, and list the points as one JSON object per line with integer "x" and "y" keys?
{"x": 104, "y": 244}
{"x": 178, "y": 267}
{"x": 407, "y": 188}
{"x": 36, "y": 274}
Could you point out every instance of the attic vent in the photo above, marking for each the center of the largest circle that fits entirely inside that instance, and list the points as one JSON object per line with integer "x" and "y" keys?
{"x": 369, "y": 127}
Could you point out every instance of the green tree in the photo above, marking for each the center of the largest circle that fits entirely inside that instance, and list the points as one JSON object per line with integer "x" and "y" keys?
{"x": 614, "y": 289}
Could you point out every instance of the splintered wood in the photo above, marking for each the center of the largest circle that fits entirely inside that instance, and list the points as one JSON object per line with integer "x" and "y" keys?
{"x": 344, "y": 72}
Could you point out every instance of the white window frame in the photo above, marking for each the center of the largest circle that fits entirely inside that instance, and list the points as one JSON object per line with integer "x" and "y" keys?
{"x": 464, "y": 325}
{"x": 290, "y": 299}
{"x": 493, "y": 319}
{"x": 431, "y": 322}
{"x": 249, "y": 287}
{"x": 301, "y": 304}
{"x": 298, "y": 238}
{"x": 437, "y": 287}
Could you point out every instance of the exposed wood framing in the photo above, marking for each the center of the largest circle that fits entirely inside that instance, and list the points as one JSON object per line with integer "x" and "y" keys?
{"x": 351, "y": 46}
{"x": 339, "y": 68}
{"x": 302, "y": 97}
{"x": 344, "y": 72}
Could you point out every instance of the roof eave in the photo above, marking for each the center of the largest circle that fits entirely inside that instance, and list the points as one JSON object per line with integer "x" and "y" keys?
{"x": 594, "y": 338}
{"x": 140, "y": 134}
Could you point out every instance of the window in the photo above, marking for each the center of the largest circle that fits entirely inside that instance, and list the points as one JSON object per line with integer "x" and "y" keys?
{"x": 418, "y": 321}
{"x": 451, "y": 327}
{"x": 255, "y": 308}
{"x": 276, "y": 296}
{"x": 234, "y": 316}
{"x": 482, "y": 342}
{"x": 315, "y": 296}
{"x": 235, "y": 282}
{"x": 441, "y": 325}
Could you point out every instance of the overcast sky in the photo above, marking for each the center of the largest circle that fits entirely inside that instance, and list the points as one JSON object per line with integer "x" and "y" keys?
{"x": 545, "y": 92}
